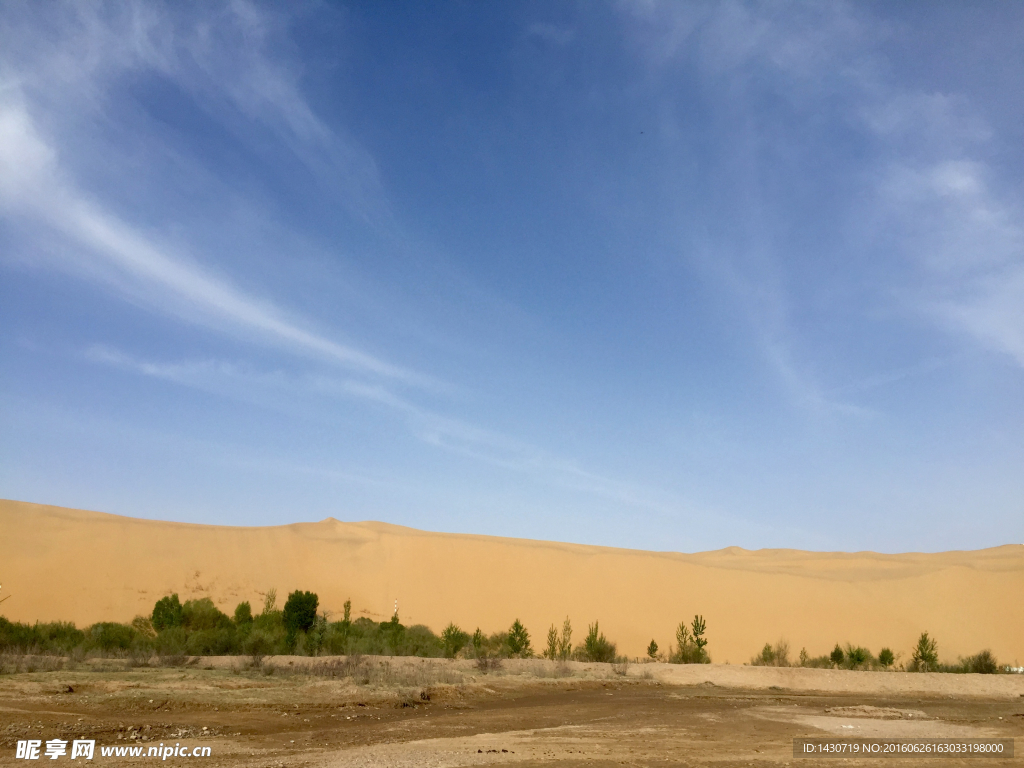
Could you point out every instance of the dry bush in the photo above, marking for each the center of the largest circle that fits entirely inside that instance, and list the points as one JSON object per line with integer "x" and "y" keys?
{"x": 487, "y": 664}
{"x": 14, "y": 663}
{"x": 772, "y": 655}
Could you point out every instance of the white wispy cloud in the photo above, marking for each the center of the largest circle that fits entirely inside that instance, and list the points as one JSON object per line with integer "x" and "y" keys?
{"x": 968, "y": 246}
{"x": 224, "y": 55}
{"x": 929, "y": 201}
{"x": 34, "y": 186}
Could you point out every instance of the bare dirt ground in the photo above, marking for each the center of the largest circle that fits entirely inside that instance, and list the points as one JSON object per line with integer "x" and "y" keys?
{"x": 415, "y": 712}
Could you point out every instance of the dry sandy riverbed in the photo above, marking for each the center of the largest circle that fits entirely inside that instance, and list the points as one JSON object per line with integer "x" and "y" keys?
{"x": 416, "y": 712}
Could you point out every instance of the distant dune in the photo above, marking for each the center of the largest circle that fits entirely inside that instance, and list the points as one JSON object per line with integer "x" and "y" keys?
{"x": 58, "y": 563}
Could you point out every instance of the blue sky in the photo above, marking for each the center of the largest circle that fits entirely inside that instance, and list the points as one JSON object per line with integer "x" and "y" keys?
{"x": 667, "y": 276}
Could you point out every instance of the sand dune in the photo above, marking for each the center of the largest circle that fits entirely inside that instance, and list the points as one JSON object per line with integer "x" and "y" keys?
{"x": 58, "y": 563}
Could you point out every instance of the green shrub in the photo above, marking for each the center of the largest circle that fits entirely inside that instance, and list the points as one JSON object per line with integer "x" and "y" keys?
{"x": 773, "y": 656}
{"x": 211, "y": 642}
{"x": 419, "y": 640}
{"x": 690, "y": 647}
{"x": 171, "y": 642}
{"x": 886, "y": 658}
{"x": 59, "y": 636}
{"x": 108, "y": 636}
{"x": 652, "y": 649}
{"x": 596, "y": 647}
{"x": 167, "y": 613}
{"x": 983, "y": 663}
{"x": 258, "y": 645}
{"x": 857, "y": 657}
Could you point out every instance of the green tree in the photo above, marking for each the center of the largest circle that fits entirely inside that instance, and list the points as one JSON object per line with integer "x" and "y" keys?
{"x": 203, "y": 614}
{"x": 299, "y": 612}
{"x": 478, "y": 641}
{"x": 166, "y": 613}
{"x": 886, "y": 658}
{"x": 652, "y": 649}
{"x": 519, "y": 640}
{"x": 243, "y": 614}
{"x": 551, "y": 652}
{"x": 837, "y": 655}
{"x": 697, "y": 627}
{"x": 453, "y": 639}
{"x": 926, "y": 654}
{"x": 565, "y": 640}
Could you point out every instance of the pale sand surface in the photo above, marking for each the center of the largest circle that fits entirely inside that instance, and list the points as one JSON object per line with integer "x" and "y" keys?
{"x": 58, "y": 563}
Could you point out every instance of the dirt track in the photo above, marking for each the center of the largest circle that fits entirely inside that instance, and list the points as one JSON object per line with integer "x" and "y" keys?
{"x": 415, "y": 712}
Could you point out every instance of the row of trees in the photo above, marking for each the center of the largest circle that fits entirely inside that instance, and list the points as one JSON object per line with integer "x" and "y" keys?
{"x": 199, "y": 628}
{"x": 924, "y": 658}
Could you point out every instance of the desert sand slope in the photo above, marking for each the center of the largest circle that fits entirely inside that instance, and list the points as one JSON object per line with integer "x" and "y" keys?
{"x": 82, "y": 566}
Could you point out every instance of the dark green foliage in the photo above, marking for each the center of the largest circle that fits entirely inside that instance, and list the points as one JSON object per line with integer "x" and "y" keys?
{"x": 690, "y": 648}
{"x": 652, "y": 650}
{"x": 202, "y": 614}
{"x": 388, "y": 638}
{"x": 925, "y": 657}
{"x": 59, "y": 636}
{"x": 983, "y": 663}
{"x": 211, "y": 642}
{"x": 453, "y": 639}
{"x": 109, "y": 636}
{"x": 519, "y": 641}
{"x": 697, "y": 627}
{"x": 477, "y": 641}
{"x": 596, "y": 647}
{"x": 837, "y": 655}
{"x": 243, "y": 614}
{"x": 299, "y": 612}
{"x": 857, "y": 657}
{"x": 419, "y": 640}
{"x": 166, "y": 613}
{"x": 886, "y": 658}
{"x": 56, "y": 637}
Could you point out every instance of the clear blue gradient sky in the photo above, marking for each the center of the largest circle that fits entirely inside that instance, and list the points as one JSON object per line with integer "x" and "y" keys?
{"x": 668, "y": 276}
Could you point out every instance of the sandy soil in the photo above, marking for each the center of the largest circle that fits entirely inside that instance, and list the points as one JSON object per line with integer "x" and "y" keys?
{"x": 86, "y": 566}
{"x": 412, "y": 712}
